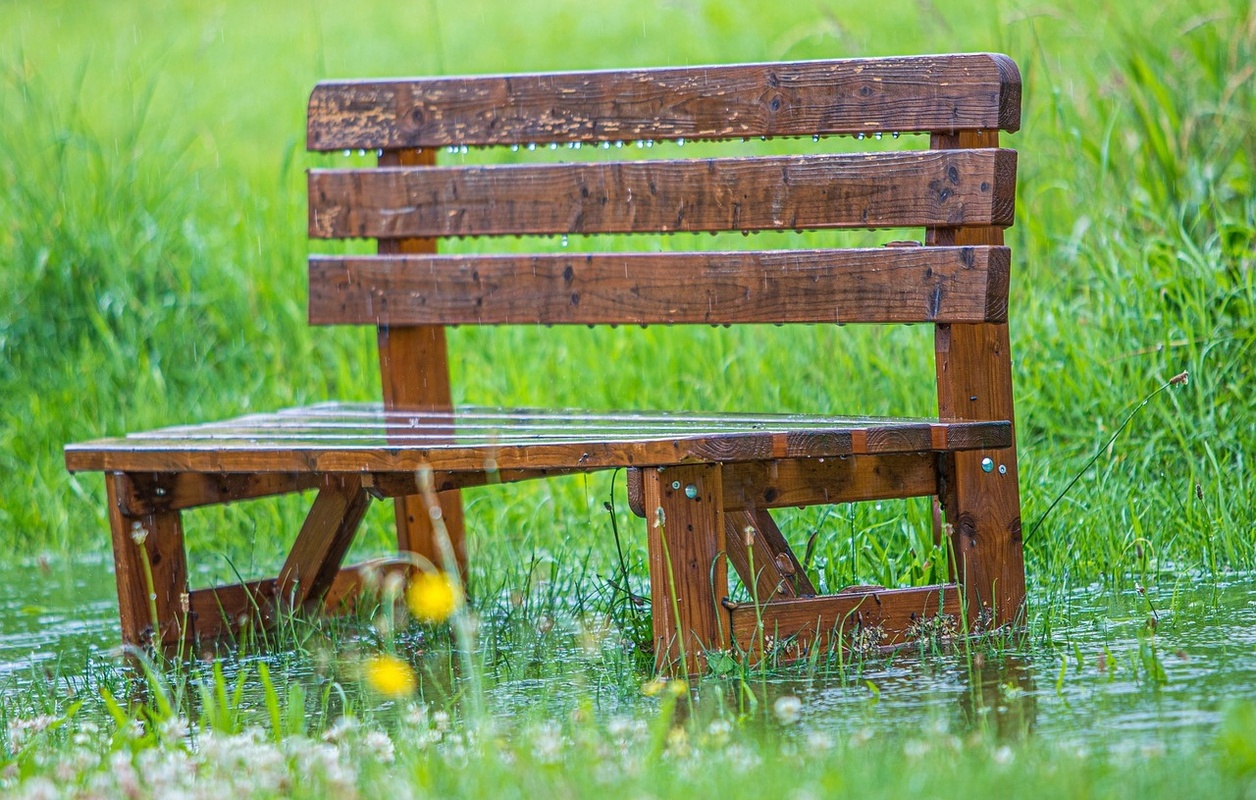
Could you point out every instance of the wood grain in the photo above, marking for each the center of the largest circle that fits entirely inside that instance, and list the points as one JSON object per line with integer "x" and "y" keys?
{"x": 768, "y": 565}
{"x": 811, "y": 481}
{"x": 688, "y": 573}
{"x": 801, "y": 286}
{"x": 414, "y": 372}
{"x": 162, "y": 545}
{"x": 801, "y": 192}
{"x": 370, "y": 440}
{"x": 223, "y": 611}
{"x": 795, "y": 626}
{"x": 147, "y": 493}
{"x": 942, "y": 93}
{"x": 974, "y": 369}
{"x": 320, "y": 546}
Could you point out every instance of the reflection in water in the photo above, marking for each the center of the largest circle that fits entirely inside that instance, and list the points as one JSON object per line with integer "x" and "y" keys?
{"x": 999, "y": 697}
{"x": 1084, "y": 680}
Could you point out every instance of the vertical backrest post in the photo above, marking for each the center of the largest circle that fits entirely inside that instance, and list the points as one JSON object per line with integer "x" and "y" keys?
{"x": 982, "y": 498}
{"x": 414, "y": 369}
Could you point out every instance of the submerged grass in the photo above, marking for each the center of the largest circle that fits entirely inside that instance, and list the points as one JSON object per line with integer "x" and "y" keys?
{"x": 151, "y": 250}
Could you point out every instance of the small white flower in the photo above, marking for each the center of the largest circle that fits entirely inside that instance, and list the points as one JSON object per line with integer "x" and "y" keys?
{"x": 381, "y": 746}
{"x": 339, "y": 729}
{"x": 547, "y": 743}
{"x": 788, "y": 709}
{"x": 1003, "y": 755}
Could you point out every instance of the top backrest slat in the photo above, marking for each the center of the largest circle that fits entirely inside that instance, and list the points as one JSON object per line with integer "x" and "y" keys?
{"x": 935, "y": 94}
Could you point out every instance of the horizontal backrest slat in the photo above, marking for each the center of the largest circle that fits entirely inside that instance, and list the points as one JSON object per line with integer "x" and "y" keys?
{"x": 875, "y": 190}
{"x": 891, "y": 284}
{"x": 942, "y": 94}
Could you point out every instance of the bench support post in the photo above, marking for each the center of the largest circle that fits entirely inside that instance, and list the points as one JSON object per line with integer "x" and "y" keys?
{"x": 974, "y": 369}
{"x": 688, "y": 571}
{"x": 414, "y": 365}
{"x": 151, "y": 569}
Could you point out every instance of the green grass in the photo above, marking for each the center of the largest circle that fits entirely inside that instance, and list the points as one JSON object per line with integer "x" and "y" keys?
{"x": 151, "y": 269}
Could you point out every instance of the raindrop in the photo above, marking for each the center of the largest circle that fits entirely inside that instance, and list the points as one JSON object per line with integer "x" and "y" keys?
{"x": 453, "y": 148}
{"x": 619, "y": 144}
{"x": 361, "y": 152}
{"x": 896, "y": 134}
{"x": 348, "y": 153}
{"x": 514, "y": 148}
{"x": 878, "y": 506}
{"x": 564, "y": 240}
{"x": 878, "y": 135}
{"x": 859, "y": 136}
{"x": 640, "y": 144}
{"x": 380, "y": 152}
{"x": 649, "y": 142}
{"x": 531, "y": 146}
{"x": 464, "y": 149}
{"x": 680, "y": 142}
{"x": 553, "y": 145}
{"x": 815, "y": 137}
{"x": 606, "y": 145}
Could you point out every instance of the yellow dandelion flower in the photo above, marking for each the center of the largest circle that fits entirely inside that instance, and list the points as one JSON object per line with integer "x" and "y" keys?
{"x": 433, "y": 597}
{"x": 390, "y": 676}
{"x": 653, "y": 687}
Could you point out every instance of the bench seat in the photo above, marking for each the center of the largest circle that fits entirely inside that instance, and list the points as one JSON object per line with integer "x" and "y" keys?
{"x": 360, "y": 437}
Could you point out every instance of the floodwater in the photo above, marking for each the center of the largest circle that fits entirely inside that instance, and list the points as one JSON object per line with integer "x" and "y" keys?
{"x": 1099, "y": 677}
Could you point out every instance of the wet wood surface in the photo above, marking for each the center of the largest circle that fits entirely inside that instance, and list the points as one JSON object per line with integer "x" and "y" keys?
{"x": 155, "y": 538}
{"x": 414, "y": 373}
{"x": 155, "y": 492}
{"x": 784, "y": 193}
{"x": 974, "y": 372}
{"x": 761, "y": 556}
{"x": 870, "y": 285}
{"x": 688, "y": 572}
{"x": 323, "y": 541}
{"x": 942, "y": 93}
{"x": 884, "y": 616}
{"x": 364, "y": 438}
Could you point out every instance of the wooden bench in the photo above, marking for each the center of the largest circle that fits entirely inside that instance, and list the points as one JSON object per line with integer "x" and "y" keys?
{"x": 703, "y": 482}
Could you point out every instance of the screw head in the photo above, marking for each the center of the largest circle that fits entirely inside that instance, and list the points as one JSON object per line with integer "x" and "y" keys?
{"x": 691, "y": 491}
{"x": 675, "y": 484}
{"x": 1003, "y": 469}
{"x": 987, "y": 464}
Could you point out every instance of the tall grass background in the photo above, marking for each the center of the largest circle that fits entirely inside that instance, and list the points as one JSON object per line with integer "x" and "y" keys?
{"x": 152, "y": 248}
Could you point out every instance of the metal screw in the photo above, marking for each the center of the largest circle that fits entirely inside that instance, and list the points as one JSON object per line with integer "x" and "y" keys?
{"x": 675, "y": 484}
{"x": 160, "y": 491}
{"x": 987, "y": 464}
{"x": 691, "y": 491}
{"x": 1003, "y": 469}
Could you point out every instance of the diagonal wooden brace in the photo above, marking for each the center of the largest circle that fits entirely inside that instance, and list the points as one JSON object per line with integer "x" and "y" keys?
{"x": 320, "y": 547}
{"x": 767, "y": 564}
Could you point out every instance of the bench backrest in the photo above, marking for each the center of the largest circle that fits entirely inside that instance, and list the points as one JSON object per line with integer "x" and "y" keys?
{"x": 961, "y": 191}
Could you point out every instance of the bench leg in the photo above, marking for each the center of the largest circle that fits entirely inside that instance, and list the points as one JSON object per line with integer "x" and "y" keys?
{"x": 688, "y": 571}
{"x": 147, "y": 545}
{"x": 416, "y": 534}
{"x": 982, "y": 506}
